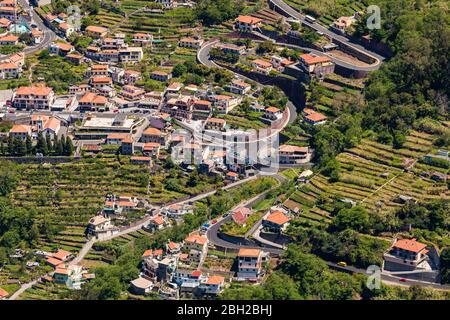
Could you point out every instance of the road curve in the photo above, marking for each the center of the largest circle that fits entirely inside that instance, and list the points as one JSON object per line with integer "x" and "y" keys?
{"x": 203, "y": 58}
{"x": 48, "y": 34}
{"x": 340, "y": 39}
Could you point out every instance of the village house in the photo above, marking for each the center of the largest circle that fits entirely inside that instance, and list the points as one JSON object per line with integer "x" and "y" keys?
{"x": 98, "y": 225}
{"x": 223, "y": 103}
{"x": 141, "y": 286}
{"x": 177, "y": 210}
{"x": 173, "y": 247}
{"x": 62, "y": 255}
{"x": 68, "y": 275}
{"x": 10, "y": 70}
{"x": 318, "y": 65}
{"x": 141, "y": 160}
{"x": 161, "y": 76}
{"x": 142, "y": 39}
{"x": 289, "y": 154}
{"x": 116, "y": 138}
{"x": 232, "y": 176}
{"x": 132, "y": 93}
{"x": 151, "y": 149}
{"x": 276, "y": 221}
{"x": 131, "y": 54}
{"x": 156, "y": 223}
{"x": 215, "y": 124}
{"x": 250, "y": 264}
{"x": 230, "y": 48}
{"x": 98, "y": 82}
{"x": 343, "y": 23}
{"x": 92, "y": 102}
{"x": 188, "y": 280}
{"x": 75, "y": 58}
{"x": 96, "y": 32}
{"x": 197, "y": 247}
{"x": 316, "y": 118}
{"x": 37, "y": 35}
{"x": 190, "y": 42}
{"x": 248, "y": 23}
{"x": 20, "y": 131}
{"x": 9, "y": 40}
{"x": 280, "y": 63}
{"x": 181, "y": 108}
{"x": 3, "y": 294}
{"x": 5, "y": 23}
{"x": 154, "y": 135}
{"x": 131, "y": 76}
{"x": 272, "y": 113}
{"x": 262, "y": 66}
{"x": 167, "y": 4}
{"x": 98, "y": 70}
{"x": 33, "y": 98}
{"x": 60, "y": 48}
{"x": 201, "y": 109}
{"x": 127, "y": 146}
{"x": 65, "y": 29}
{"x": 173, "y": 90}
{"x": 113, "y": 43}
{"x": 212, "y": 286}
{"x": 406, "y": 254}
{"x": 240, "y": 215}
{"x": 240, "y": 87}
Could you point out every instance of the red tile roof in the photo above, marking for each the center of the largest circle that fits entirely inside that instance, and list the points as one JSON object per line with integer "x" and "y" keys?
{"x": 278, "y": 217}
{"x": 248, "y": 19}
{"x": 410, "y": 245}
{"x": 254, "y": 253}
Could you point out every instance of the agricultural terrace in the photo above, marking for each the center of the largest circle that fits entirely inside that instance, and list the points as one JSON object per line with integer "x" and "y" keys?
{"x": 328, "y": 11}
{"x": 66, "y": 195}
{"x": 130, "y": 247}
{"x": 372, "y": 174}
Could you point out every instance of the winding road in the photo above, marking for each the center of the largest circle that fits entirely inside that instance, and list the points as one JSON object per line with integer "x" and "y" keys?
{"x": 337, "y": 38}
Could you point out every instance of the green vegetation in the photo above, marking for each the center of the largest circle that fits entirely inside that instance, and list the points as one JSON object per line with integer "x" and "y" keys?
{"x": 46, "y": 146}
{"x": 211, "y": 12}
{"x": 57, "y": 72}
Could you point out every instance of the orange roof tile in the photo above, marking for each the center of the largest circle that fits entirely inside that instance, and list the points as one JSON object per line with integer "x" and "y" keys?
{"x": 310, "y": 59}
{"x": 152, "y": 132}
{"x": 278, "y": 217}
{"x": 215, "y": 280}
{"x": 410, "y": 245}
{"x": 248, "y": 19}
{"x": 244, "y": 252}
{"x": 316, "y": 117}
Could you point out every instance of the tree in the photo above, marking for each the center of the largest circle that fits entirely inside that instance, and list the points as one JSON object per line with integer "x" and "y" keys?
{"x": 445, "y": 265}
{"x": 48, "y": 141}
{"x": 265, "y": 47}
{"x": 41, "y": 146}
{"x": 211, "y": 12}
{"x": 179, "y": 70}
{"x": 29, "y": 145}
{"x": 355, "y": 218}
{"x": 68, "y": 146}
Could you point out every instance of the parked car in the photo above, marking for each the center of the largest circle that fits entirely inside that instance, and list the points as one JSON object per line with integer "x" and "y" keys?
{"x": 342, "y": 264}
{"x": 402, "y": 280}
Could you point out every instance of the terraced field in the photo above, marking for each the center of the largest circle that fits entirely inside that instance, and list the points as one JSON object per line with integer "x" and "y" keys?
{"x": 329, "y": 10}
{"x": 67, "y": 195}
{"x": 373, "y": 175}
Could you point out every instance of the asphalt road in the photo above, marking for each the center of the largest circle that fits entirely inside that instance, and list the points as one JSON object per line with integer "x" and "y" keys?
{"x": 48, "y": 36}
{"x": 203, "y": 58}
{"x": 288, "y": 10}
